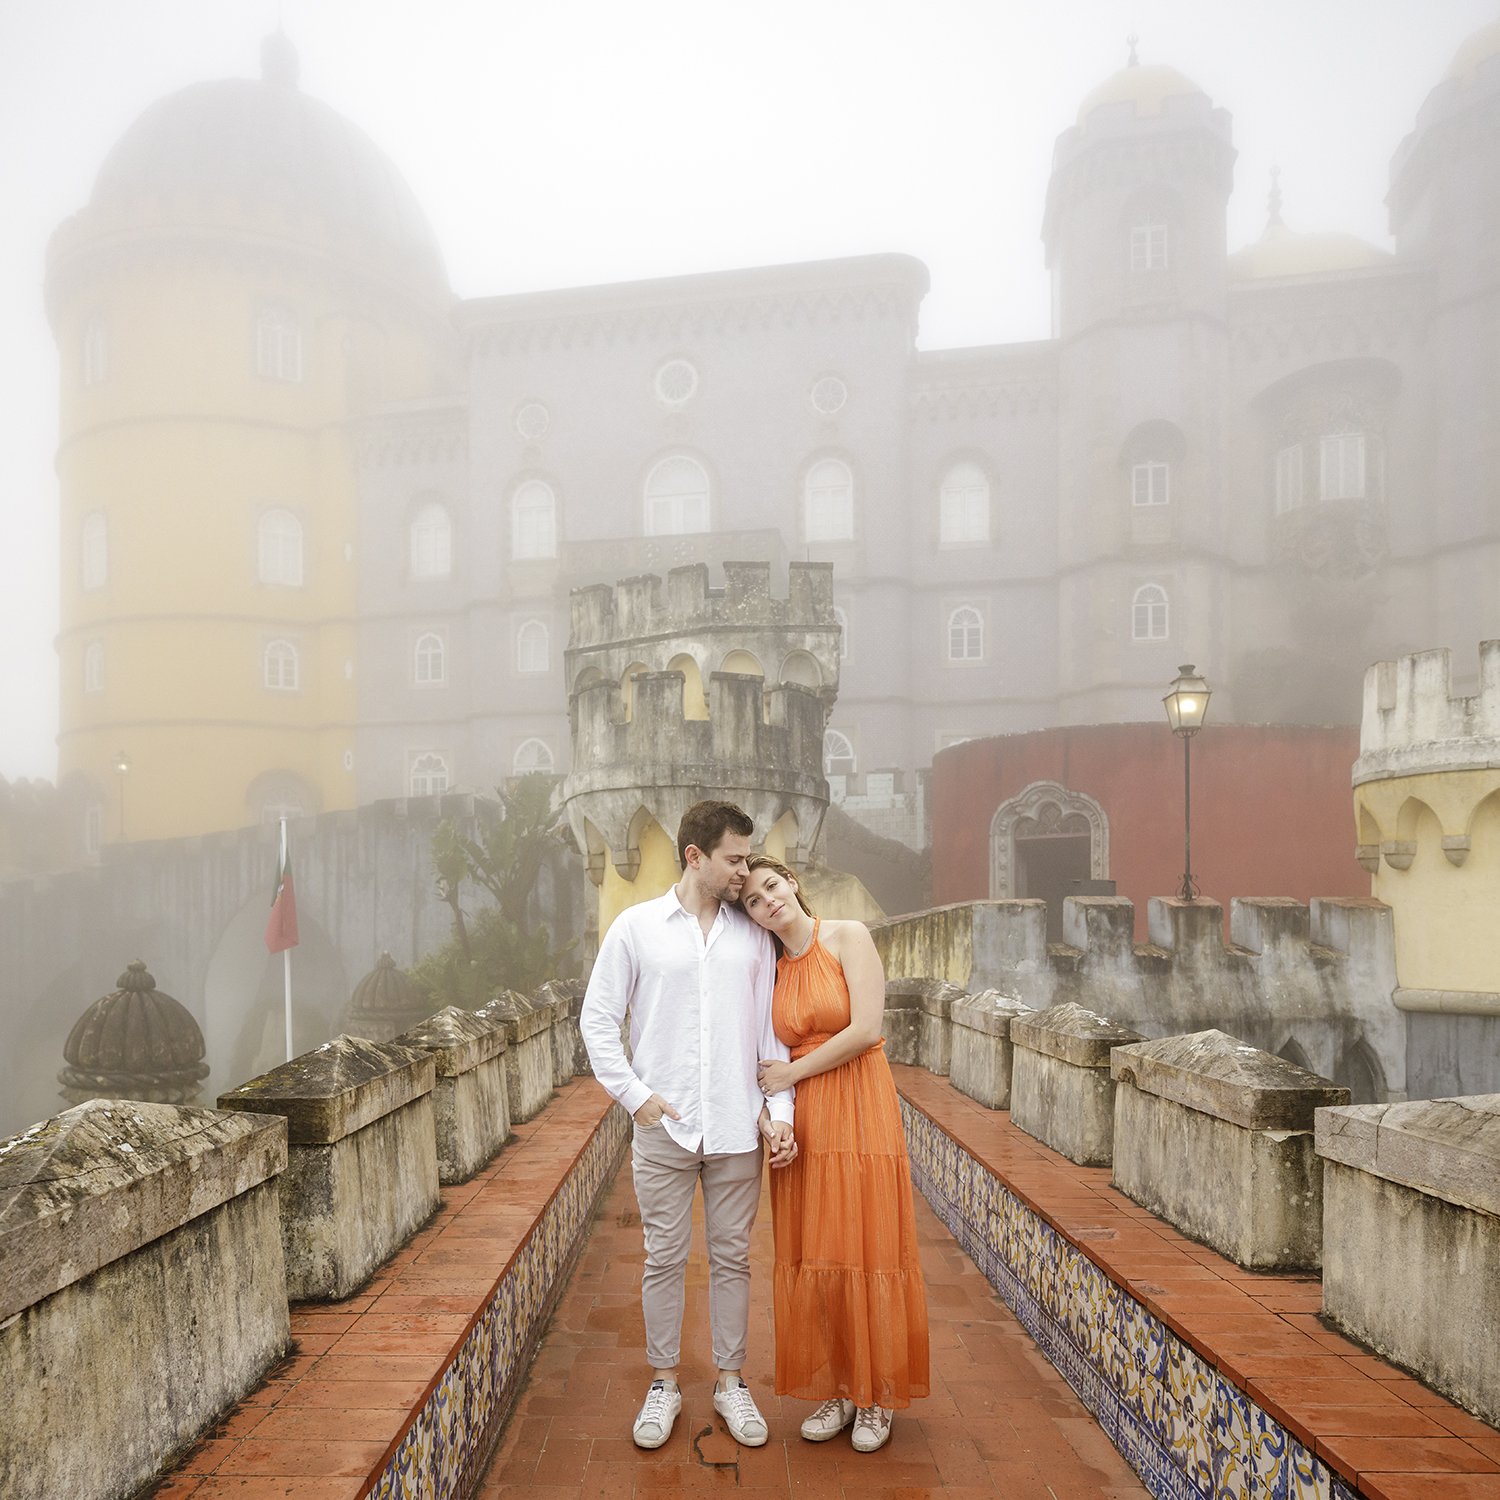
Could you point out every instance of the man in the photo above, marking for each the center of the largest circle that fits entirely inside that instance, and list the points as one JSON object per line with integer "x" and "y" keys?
{"x": 695, "y": 974}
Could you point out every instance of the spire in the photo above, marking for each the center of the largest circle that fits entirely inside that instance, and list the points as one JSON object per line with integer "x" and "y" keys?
{"x": 278, "y": 61}
{"x": 1273, "y": 202}
{"x": 1131, "y": 41}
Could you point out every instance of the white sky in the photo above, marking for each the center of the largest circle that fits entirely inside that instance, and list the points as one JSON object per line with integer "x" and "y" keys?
{"x": 561, "y": 142}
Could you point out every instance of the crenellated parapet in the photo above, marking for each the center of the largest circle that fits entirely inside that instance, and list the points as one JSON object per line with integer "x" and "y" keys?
{"x": 1427, "y": 814}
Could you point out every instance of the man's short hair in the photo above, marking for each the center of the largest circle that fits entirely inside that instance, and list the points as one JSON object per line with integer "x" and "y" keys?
{"x": 704, "y": 824}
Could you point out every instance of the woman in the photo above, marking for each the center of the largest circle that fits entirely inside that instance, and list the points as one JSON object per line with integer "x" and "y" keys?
{"x": 851, "y": 1312}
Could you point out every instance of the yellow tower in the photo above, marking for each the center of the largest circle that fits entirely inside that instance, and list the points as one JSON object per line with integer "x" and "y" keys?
{"x": 250, "y": 277}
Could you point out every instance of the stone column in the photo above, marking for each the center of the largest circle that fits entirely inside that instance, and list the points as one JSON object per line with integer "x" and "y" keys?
{"x": 1217, "y": 1137}
{"x": 362, "y": 1174}
{"x": 470, "y": 1104}
{"x": 982, "y": 1053}
{"x": 142, "y": 1289}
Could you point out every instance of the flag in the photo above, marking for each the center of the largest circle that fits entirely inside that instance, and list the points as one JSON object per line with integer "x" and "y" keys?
{"x": 281, "y": 930}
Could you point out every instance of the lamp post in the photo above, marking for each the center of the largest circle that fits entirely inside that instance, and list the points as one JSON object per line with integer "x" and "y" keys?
{"x": 1187, "y": 707}
{"x": 122, "y": 765}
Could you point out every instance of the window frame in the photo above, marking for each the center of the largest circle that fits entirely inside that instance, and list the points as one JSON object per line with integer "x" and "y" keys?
{"x": 550, "y": 769}
{"x": 530, "y": 630}
{"x": 965, "y": 533}
{"x": 852, "y": 757}
{"x": 429, "y": 659}
{"x": 417, "y": 768}
{"x": 272, "y": 553}
{"x": 278, "y": 345}
{"x": 831, "y": 504}
{"x": 1338, "y": 444}
{"x": 544, "y": 546}
{"x": 282, "y": 652}
{"x": 972, "y": 642}
{"x": 677, "y": 500}
{"x": 1150, "y": 470}
{"x": 1150, "y": 635}
{"x": 423, "y": 542}
{"x": 1150, "y": 240}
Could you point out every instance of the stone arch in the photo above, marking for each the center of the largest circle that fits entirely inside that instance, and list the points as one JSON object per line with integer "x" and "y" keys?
{"x": 1042, "y": 806}
{"x": 744, "y": 662}
{"x": 694, "y": 704}
{"x": 802, "y": 667}
{"x": 1360, "y": 1072}
{"x": 627, "y": 686}
{"x": 1291, "y": 1051}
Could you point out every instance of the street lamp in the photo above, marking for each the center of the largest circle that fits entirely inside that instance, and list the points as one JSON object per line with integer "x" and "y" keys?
{"x": 1187, "y": 707}
{"x": 122, "y": 765}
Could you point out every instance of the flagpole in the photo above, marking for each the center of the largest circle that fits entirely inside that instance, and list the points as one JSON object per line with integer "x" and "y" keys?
{"x": 286, "y": 962}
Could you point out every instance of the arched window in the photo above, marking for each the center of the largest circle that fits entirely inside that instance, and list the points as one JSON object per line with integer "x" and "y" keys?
{"x": 95, "y": 352}
{"x": 1148, "y": 245}
{"x": 532, "y": 755}
{"x": 828, "y": 502}
{"x": 964, "y": 506}
{"x": 677, "y": 497}
{"x": 429, "y": 775}
{"x": 93, "y": 550}
{"x": 838, "y": 754}
{"x": 1341, "y": 466}
{"x": 280, "y": 548}
{"x": 278, "y": 345}
{"x": 280, "y": 667}
{"x": 533, "y": 647}
{"x": 431, "y": 665}
{"x": 965, "y": 634}
{"x": 1149, "y": 613}
{"x": 431, "y": 542}
{"x": 1151, "y": 482}
{"x": 841, "y": 618}
{"x": 93, "y": 667}
{"x": 533, "y": 521}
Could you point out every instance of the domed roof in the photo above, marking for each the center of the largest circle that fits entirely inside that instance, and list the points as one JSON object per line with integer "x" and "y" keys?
{"x": 385, "y": 1003}
{"x": 1146, "y": 87}
{"x": 1284, "y": 252}
{"x": 272, "y": 148}
{"x": 1474, "y": 51}
{"x": 137, "y": 1042}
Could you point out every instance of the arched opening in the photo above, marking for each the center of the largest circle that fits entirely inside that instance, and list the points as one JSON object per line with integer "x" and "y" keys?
{"x": 743, "y": 662}
{"x": 1291, "y": 1051}
{"x": 627, "y": 686}
{"x": 1360, "y": 1072}
{"x": 802, "y": 668}
{"x": 694, "y": 704}
{"x": 1042, "y": 843}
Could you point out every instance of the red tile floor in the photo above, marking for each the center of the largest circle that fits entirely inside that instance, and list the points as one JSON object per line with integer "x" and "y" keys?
{"x": 1000, "y": 1422}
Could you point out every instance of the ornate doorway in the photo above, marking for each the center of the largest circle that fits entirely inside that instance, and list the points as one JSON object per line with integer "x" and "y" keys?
{"x": 1044, "y": 840}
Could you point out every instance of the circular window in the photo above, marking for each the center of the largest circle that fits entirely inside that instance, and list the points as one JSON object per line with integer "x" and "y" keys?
{"x": 533, "y": 420}
{"x": 828, "y": 395}
{"x": 676, "y": 383}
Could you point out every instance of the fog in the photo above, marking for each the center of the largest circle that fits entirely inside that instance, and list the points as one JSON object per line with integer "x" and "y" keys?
{"x": 580, "y": 143}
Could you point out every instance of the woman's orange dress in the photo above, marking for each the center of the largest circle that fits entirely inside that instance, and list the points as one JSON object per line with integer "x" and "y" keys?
{"x": 851, "y": 1312}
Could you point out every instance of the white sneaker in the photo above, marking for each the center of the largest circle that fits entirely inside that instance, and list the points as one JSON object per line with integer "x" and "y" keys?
{"x": 741, "y": 1415}
{"x": 828, "y": 1420}
{"x": 653, "y": 1426}
{"x": 872, "y": 1428}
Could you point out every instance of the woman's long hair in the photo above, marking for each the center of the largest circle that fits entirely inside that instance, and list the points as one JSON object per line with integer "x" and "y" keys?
{"x": 765, "y": 862}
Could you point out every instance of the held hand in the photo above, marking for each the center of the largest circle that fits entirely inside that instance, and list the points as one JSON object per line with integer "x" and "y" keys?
{"x": 774, "y": 1076}
{"x": 651, "y": 1112}
{"x": 763, "y": 1124}
{"x": 783, "y": 1145}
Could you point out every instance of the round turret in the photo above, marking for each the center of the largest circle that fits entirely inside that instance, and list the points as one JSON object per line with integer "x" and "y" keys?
{"x": 135, "y": 1043}
{"x": 386, "y": 1002}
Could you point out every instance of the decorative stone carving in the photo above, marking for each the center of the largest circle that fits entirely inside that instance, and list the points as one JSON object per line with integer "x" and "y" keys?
{"x": 1044, "y": 808}
{"x": 385, "y": 1002}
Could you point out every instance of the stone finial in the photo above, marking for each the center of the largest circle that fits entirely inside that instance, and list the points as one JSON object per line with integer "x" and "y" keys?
{"x": 135, "y": 1043}
{"x": 385, "y": 1002}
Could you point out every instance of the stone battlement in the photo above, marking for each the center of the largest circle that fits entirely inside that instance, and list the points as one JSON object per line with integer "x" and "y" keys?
{"x": 1413, "y": 723}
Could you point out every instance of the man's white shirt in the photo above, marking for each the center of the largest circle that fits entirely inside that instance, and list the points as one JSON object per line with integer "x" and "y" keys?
{"x": 700, "y": 1020}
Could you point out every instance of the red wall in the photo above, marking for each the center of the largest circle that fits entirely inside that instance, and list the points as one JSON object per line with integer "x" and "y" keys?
{"x": 1273, "y": 809}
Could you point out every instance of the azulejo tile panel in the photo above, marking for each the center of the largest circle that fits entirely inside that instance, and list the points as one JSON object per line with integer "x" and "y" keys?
{"x": 1186, "y": 1430}
{"x": 449, "y": 1439}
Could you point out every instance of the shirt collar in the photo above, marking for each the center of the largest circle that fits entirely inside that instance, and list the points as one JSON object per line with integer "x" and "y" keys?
{"x": 672, "y": 906}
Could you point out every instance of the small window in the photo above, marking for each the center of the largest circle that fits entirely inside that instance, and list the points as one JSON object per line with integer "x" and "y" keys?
{"x": 1151, "y": 483}
{"x": 1148, "y": 613}
{"x": 828, "y": 395}
{"x": 533, "y": 521}
{"x": 838, "y": 754}
{"x": 829, "y": 501}
{"x": 93, "y": 829}
{"x": 429, "y": 775}
{"x": 1289, "y": 478}
{"x": 533, "y": 652}
{"x": 964, "y": 507}
{"x": 965, "y": 634}
{"x": 431, "y": 668}
{"x": 676, "y": 383}
{"x": 278, "y": 345}
{"x": 532, "y": 755}
{"x": 95, "y": 352}
{"x": 280, "y": 548}
{"x": 677, "y": 497}
{"x": 841, "y": 618}
{"x": 431, "y": 542}
{"x": 1342, "y": 466}
{"x": 94, "y": 550}
{"x": 532, "y": 422}
{"x": 1148, "y": 247}
{"x": 280, "y": 667}
{"x": 93, "y": 667}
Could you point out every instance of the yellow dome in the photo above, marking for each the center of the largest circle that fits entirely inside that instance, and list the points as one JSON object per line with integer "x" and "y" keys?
{"x": 1280, "y": 252}
{"x": 1148, "y": 88}
{"x": 1475, "y": 52}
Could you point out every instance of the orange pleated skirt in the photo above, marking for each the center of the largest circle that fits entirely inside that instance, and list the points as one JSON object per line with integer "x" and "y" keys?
{"x": 851, "y": 1311}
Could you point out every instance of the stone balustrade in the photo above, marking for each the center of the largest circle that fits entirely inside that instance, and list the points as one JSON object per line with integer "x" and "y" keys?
{"x": 470, "y": 1101}
{"x": 1061, "y": 1088}
{"x": 530, "y": 1067}
{"x": 362, "y": 1170}
{"x": 981, "y": 1054}
{"x": 1411, "y": 1237}
{"x": 1217, "y": 1138}
{"x": 142, "y": 1288}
